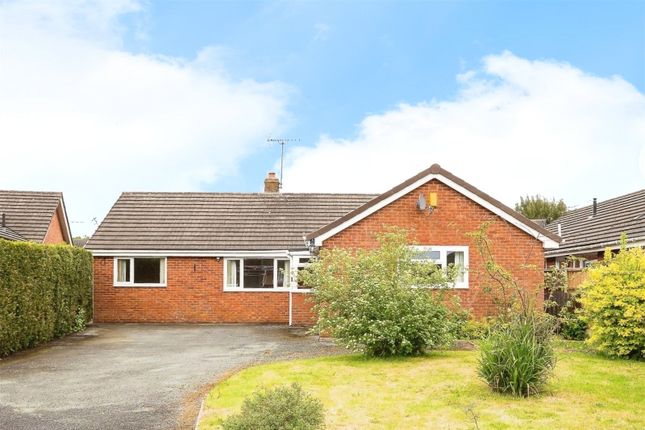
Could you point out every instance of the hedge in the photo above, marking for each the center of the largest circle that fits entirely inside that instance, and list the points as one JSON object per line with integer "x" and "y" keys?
{"x": 45, "y": 293}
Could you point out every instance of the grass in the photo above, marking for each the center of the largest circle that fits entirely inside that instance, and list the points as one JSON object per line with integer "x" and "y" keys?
{"x": 442, "y": 391}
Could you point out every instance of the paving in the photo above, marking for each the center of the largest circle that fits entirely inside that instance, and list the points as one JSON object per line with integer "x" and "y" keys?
{"x": 135, "y": 376}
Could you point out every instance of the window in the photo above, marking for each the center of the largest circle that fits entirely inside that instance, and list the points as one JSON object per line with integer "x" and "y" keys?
{"x": 256, "y": 273}
{"x": 302, "y": 263}
{"x": 447, "y": 256}
{"x": 140, "y": 271}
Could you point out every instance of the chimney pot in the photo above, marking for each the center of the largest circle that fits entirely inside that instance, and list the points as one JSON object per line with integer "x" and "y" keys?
{"x": 4, "y": 219}
{"x": 271, "y": 183}
{"x": 595, "y": 206}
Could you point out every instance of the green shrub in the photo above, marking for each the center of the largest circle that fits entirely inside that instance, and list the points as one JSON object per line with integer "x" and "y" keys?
{"x": 571, "y": 324}
{"x": 517, "y": 356}
{"x": 381, "y": 302}
{"x": 45, "y": 292}
{"x": 475, "y": 329}
{"x": 280, "y": 408}
{"x": 613, "y": 303}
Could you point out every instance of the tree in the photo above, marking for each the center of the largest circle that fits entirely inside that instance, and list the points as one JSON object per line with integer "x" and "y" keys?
{"x": 382, "y": 302}
{"x": 538, "y": 207}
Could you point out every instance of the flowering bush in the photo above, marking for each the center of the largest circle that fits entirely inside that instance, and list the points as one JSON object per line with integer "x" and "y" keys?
{"x": 382, "y": 302}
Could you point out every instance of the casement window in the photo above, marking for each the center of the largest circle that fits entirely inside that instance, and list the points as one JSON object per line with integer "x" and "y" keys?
{"x": 301, "y": 263}
{"x": 140, "y": 271}
{"x": 256, "y": 274}
{"x": 444, "y": 257}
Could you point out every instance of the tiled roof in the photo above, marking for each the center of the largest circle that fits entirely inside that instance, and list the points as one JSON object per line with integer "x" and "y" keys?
{"x": 7, "y": 233}
{"x": 218, "y": 221}
{"x": 582, "y": 231}
{"x": 29, "y": 213}
{"x": 436, "y": 169}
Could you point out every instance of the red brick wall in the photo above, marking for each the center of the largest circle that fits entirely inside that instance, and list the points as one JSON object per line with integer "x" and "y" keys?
{"x": 54, "y": 233}
{"x": 194, "y": 293}
{"x": 455, "y": 216}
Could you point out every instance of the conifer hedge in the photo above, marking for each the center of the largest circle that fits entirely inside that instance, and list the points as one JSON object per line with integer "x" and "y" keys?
{"x": 45, "y": 293}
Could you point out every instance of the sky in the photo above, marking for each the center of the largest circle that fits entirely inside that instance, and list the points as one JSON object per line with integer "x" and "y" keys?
{"x": 100, "y": 97}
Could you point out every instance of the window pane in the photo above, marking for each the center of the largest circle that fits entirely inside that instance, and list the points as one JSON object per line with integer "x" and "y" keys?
{"x": 302, "y": 263}
{"x": 147, "y": 270}
{"x": 456, "y": 258}
{"x": 284, "y": 268}
{"x": 232, "y": 273}
{"x": 123, "y": 270}
{"x": 427, "y": 255}
{"x": 258, "y": 273}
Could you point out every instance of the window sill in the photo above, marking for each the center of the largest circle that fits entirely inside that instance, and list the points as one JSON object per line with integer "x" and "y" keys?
{"x": 255, "y": 290}
{"x": 139, "y": 285}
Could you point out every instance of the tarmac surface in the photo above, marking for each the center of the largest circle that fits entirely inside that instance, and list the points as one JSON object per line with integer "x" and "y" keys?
{"x": 135, "y": 376}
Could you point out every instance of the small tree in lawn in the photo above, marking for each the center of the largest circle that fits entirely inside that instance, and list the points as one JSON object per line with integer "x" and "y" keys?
{"x": 381, "y": 302}
{"x": 538, "y": 207}
{"x": 613, "y": 303}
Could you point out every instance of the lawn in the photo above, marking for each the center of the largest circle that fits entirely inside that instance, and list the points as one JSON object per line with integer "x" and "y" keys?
{"x": 442, "y": 391}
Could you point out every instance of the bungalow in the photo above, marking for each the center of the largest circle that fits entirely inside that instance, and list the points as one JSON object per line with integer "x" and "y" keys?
{"x": 588, "y": 231}
{"x": 221, "y": 257}
{"x": 34, "y": 216}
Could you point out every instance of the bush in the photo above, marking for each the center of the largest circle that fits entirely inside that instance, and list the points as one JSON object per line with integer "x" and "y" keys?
{"x": 571, "y": 325}
{"x": 613, "y": 303}
{"x": 475, "y": 329}
{"x": 45, "y": 292}
{"x": 517, "y": 356}
{"x": 280, "y": 408}
{"x": 378, "y": 301}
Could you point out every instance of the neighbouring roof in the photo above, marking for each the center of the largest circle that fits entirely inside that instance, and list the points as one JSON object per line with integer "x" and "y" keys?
{"x": 549, "y": 239}
{"x": 7, "y": 233}
{"x": 583, "y": 232}
{"x": 218, "y": 221}
{"x": 29, "y": 213}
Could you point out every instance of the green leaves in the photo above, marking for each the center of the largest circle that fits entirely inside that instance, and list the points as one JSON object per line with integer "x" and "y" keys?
{"x": 279, "y": 408}
{"x": 538, "y": 207}
{"x": 613, "y": 303}
{"x": 45, "y": 292}
{"x": 517, "y": 356}
{"x": 381, "y": 301}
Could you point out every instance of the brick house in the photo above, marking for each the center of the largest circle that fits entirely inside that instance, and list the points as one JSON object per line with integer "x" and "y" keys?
{"x": 222, "y": 257}
{"x": 35, "y": 216}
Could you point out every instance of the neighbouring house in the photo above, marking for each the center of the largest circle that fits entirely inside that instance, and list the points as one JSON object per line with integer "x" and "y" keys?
{"x": 588, "y": 231}
{"x": 34, "y": 216}
{"x": 222, "y": 257}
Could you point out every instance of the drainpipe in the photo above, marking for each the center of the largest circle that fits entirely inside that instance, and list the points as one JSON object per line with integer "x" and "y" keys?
{"x": 290, "y": 307}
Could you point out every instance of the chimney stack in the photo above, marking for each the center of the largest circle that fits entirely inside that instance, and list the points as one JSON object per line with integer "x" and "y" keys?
{"x": 4, "y": 219}
{"x": 271, "y": 183}
{"x": 595, "y": 206}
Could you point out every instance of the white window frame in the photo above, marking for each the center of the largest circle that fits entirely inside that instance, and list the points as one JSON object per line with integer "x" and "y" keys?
{"x": 240, "y": 287}
{"x": 298, "y": 264}
{"x": 443, "y": 260}
{"x": 131, "y": 283}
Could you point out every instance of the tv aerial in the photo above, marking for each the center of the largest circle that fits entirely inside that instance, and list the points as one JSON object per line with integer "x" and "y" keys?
{"x": 281, "y": 142}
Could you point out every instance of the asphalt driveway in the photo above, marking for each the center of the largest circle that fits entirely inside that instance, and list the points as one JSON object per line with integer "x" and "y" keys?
{"x": 133, "y": 376}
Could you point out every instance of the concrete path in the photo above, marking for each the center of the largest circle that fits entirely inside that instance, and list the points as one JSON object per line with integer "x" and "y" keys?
{"x": 134, "y": 376}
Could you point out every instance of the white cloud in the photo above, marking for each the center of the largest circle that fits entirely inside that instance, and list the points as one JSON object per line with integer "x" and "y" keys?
{"x": 80, "y": 114}
{"x": 515, "y": 127}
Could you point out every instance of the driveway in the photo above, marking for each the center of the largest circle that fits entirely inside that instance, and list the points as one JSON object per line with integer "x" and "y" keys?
{"x": 134, "y": 376}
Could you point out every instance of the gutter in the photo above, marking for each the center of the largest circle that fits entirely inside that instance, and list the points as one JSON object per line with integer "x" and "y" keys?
{"x": 639, "y": 241}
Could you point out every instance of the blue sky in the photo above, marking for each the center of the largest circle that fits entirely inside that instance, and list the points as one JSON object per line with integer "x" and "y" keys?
{"x": 103, "y": 96}
{"x": 349, "y": 59}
